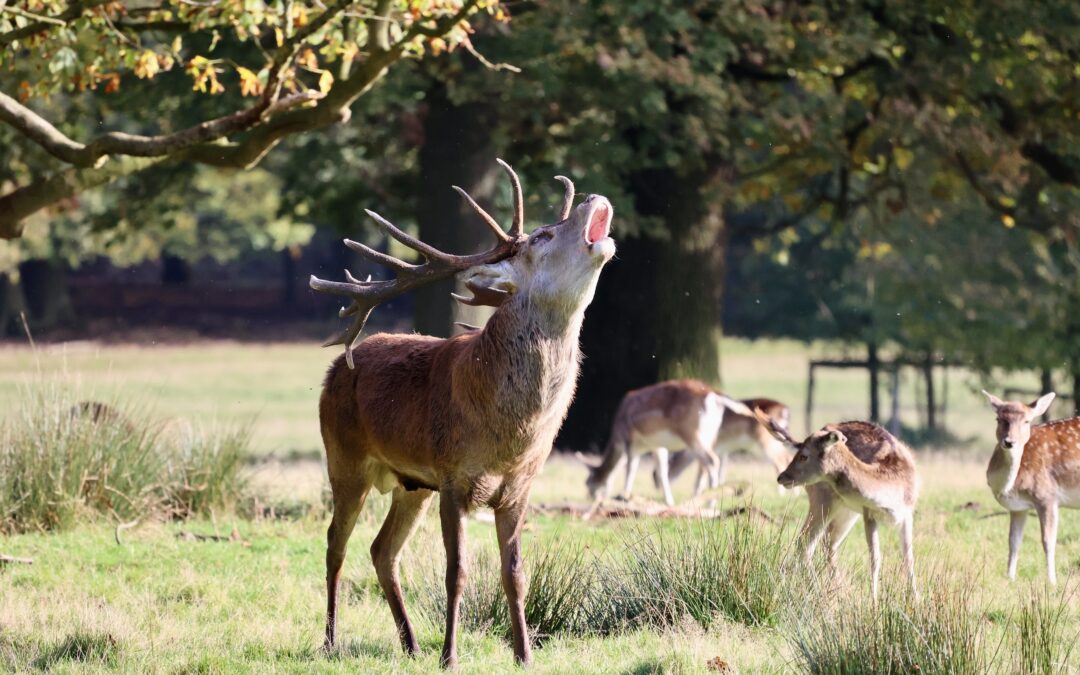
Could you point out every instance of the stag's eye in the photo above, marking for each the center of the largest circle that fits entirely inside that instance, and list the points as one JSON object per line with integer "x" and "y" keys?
{"x": 800, "y": 458}
{"x": 541, "y": 238}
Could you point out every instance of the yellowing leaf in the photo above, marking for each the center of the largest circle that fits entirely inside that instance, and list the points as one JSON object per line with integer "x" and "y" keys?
{"x": 307, "y": 59}
{"x": 326, "y": 81}
{"x": 146, "y": 66}
{"x": 1009, "y": 221}
{"x": 249, "y": 82}
{"x": 279, "y": 36}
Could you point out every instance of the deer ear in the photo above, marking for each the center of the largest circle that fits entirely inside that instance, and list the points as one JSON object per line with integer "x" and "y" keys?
{"x": 491, "y": 285}
{"x": 832, "y": 438}
{"x": 1042, "y": 405}
{"x": 994, "y": 400}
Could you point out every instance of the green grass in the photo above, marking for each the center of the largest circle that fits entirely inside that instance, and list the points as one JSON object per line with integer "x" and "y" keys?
{"x": 161, "y": 602}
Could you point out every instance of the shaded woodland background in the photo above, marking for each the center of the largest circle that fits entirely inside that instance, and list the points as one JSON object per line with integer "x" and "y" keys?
{"x": 901, "y": 179}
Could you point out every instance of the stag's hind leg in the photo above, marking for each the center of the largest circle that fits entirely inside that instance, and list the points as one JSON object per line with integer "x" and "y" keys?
{"x": 348, "y": 502}
{"x": 405, "y": 512}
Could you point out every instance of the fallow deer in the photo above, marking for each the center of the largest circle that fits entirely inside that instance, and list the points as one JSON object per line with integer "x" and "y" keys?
{"x": 852, "y": 469}
{"x": 738, "y": 432}
{"x": 659, "y": 418}
{"x": 472, "y": 417}
{"x": 1034, "y": 467}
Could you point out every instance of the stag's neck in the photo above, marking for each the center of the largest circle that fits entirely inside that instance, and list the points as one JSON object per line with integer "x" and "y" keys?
{"x": 531, "y": 355}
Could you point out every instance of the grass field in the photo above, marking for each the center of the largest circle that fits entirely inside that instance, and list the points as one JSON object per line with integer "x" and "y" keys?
{"x": 162, "y": 601}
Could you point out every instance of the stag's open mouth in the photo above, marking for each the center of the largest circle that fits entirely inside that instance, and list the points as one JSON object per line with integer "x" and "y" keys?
{"x": 599, "y": 222}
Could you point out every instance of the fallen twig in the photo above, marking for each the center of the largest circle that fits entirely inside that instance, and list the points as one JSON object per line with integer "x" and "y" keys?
{"x": 124, "y": 526}
{"x": 8, "y": 560}
{"x": 645, "y": 509}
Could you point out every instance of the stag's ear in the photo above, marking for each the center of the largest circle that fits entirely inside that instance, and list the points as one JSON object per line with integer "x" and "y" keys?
{"x": 491, "y": 285}
{"x": 1042, "y": 405}
{"x": 994, "y": 400}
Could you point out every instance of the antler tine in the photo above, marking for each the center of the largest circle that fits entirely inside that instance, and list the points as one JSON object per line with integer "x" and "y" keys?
{"x": 484, "y": 215}
{"x": 518, "y": 227}
{"x": 568, "y": 197}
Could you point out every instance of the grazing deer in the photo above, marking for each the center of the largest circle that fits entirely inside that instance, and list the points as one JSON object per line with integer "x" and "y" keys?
{"x": 849, "y": 469}
{"x": 1034, "y": 467}
{"x": 738, "y": 432}
{"x": 659, "y": 418}
{"x": 472, "y": 417}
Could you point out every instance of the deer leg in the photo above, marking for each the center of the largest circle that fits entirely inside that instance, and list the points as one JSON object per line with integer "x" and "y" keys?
{"x": 873, "y": 543}
{"x": 401, "y": 521}
{"x": 508, "y": 522}
{"x": 678, "y": 461}
{"x": 813, "y": 528}
{"x": 452, "y": 513}
{"x": 1048, "y": 519}
{"x": 1017, "y": 519}
{"x": 348, "y": 502}
{"x": 632, "y": 462}
{"x": 839, "y": 527}
{"x": 662, "y": 472}
{"x": 906, "y": 543}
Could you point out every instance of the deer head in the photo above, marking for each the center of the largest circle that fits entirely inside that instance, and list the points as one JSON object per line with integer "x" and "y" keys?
{"x": 810, "y": 463}
{"x": 557, "y": 265}
{"x": 1014, "y": 420}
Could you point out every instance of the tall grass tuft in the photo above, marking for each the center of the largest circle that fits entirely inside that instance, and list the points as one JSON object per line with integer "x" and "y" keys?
{"x": 558, "y": 600}
{"x": 734, "y": 569}
{"x": 61, "y": 461}
{"x": 942, "y": 632}
{"x": 1039, "y": 634}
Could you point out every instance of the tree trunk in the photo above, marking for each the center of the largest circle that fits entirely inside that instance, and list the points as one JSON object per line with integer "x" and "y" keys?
{"x": 45, "y": 289}
{"x": 689, "y": 272}
{"x": 11, "y": 304}
{"x": 457, "y": 150}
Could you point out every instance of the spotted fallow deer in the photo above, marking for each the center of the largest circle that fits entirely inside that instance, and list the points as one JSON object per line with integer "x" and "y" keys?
{"x": 1034, "y": 467}
{"x": 852, "y": 469}
{"x": 659, "y": 418}
{"x": 738, "y": 432}
{"x": 472, "y": 417}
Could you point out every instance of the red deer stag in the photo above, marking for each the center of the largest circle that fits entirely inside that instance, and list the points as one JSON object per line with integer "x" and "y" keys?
{"x": 1034, "y": 467}
{"x": 471, "y": 417}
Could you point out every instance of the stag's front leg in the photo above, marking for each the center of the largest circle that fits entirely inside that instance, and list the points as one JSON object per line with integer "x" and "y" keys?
{"x": 873, "y": 543}
{"x": 452, "y": 513}
{"x": 508, "y": 523}
{"x": 662, "y": 472}
{"x": 1016, "y": 537}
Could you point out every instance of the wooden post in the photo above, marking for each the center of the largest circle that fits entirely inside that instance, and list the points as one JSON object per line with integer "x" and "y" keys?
{"x": 928, "y": 375}
{"x": 874, "y": 365}
{"x": 894, "y": 423}
{"x": 1046, "y": 384}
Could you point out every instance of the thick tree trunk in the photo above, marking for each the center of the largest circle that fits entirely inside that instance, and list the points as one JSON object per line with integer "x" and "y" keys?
{"x": 45, "y": 289}
{"x": 11, "y": 304}
{"x": 1046, "y": 385}
{"x": 689, "y": 272}
{"x": 457, "y": 150}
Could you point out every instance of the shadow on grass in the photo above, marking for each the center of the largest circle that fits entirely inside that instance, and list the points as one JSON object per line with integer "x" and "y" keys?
{"x": 81, "y": 648}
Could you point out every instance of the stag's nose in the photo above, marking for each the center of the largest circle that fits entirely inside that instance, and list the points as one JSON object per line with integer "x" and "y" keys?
{"x": 1006, "y": 443}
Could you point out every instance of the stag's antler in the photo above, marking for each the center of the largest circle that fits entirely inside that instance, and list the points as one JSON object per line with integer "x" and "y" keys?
{"x": 366, "y": 295}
